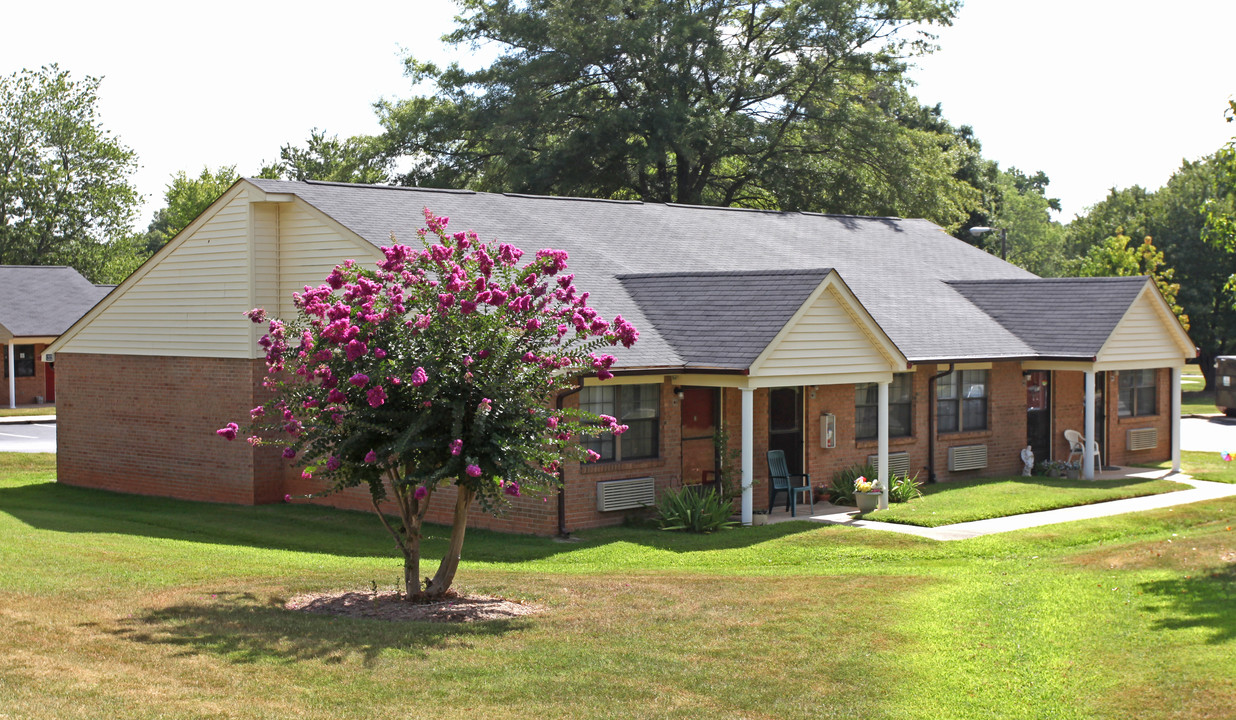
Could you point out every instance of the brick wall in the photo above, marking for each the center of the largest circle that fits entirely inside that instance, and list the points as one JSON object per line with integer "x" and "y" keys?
{"x": 146, "y": 425}
{"x": 27, "y": 389}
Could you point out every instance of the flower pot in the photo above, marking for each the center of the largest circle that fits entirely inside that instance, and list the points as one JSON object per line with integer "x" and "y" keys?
{"x": 759, "y": 519}
{"x": 867, "y": 501}
{"x": 1073, "y": 473}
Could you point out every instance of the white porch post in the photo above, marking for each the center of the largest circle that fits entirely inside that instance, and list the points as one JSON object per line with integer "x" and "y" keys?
{"x": 12, "y": 374}
{"x": 1175, "y": 419}
{"x": 1088, "y": 452}
{"x": 748, "y": 452}
{"x": 882, "y": 461}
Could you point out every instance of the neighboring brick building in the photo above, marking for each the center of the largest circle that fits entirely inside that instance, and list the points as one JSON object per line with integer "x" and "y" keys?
{"x": 772, "y": 326}
{"x": 37, "y": 304}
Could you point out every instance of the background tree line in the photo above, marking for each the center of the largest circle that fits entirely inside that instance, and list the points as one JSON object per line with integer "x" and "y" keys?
{"x": 778, "y": 104}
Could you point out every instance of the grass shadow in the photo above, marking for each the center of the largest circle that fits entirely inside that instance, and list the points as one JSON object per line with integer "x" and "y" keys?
{"x": 1206, "y": 600}
{"x": 317, "y": 529}
{"x": 244, "y": 629}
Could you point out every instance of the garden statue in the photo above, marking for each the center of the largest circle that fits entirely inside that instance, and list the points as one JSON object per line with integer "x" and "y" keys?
{"x": 1027, "y": 461}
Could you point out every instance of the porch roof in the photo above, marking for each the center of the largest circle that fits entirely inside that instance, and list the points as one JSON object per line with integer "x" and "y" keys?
{"x": 43, "y": 301}
{"x": 721, "y": 320}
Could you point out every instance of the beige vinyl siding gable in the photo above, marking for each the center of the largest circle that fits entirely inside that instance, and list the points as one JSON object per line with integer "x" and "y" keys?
{"x": 310, "y": 246}
{"x": 824, "y": 339}
{"x": 189, "y": 303}
{"x": 1144, "y": 337}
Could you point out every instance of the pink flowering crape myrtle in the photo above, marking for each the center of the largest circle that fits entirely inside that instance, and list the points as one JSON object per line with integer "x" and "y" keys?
{"x": 438, "y": 367}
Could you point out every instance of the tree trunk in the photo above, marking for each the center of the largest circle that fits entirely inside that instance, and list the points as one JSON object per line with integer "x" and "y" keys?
{"x": 450, "y": 562}
{"x": 412, "y": 566}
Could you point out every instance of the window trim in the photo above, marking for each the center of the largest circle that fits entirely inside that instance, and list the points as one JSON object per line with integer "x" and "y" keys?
{"x": 654, "y": 421}
{"x": 1153, "y": 386}
{"x": 908, "y": 377}
{"x": 959, "y": 402}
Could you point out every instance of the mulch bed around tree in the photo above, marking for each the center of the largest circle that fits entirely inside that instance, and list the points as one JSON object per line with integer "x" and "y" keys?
{"x": 390, "y": 606}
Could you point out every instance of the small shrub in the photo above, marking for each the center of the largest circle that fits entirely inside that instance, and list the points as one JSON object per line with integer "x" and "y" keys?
{"x": 904, "y": 488}
{"x": 693, "y": 511}
{"x": 842, "y": 487}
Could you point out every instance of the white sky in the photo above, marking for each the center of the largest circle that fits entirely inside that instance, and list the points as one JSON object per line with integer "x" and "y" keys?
{"x": 1096, "y": 93}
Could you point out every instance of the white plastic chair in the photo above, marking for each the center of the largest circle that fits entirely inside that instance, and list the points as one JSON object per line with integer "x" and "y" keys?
{"x": 1077, "y": 447}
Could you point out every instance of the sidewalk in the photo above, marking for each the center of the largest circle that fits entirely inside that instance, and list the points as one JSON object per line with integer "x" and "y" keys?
{"x": 1200, "y": 490}
{"x": 27, "y": 419}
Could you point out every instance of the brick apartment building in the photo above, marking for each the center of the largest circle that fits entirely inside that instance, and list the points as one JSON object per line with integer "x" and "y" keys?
{"x": 837, "y": 339}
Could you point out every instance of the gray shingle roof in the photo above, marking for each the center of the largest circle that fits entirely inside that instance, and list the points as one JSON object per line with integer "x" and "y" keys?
{"x": 721, "y": 319}
{"x": 905, "y": 272}
{"x": 38, "y": 301}
{"x": 1056, "y": 317}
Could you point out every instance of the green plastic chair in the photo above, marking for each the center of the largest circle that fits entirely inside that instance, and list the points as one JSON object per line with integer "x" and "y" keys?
{"x": 780, "y": 481}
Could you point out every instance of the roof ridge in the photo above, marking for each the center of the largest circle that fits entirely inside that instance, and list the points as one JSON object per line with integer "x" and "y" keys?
{"x": 40, "y": 267}
{"x": 531, "y": 196}
{"x": 725, "y": 273}
{"x": 1104, "y": 278}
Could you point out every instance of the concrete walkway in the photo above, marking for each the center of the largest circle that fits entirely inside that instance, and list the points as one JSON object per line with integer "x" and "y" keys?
{"x": 1200, "y": 490}
{"x": 27, "y": 419}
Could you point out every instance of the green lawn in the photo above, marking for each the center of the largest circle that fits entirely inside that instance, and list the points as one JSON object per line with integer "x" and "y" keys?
{"x": 966, "y": 500}
{"x": 117, "y": 606}
{"x": 1203, "y": 466}
{"x": 24, "y": 411}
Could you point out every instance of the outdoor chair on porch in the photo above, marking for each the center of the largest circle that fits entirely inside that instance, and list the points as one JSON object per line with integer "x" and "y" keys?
{"x": 780, "y": 480}
{"x": 1077, "y": 447}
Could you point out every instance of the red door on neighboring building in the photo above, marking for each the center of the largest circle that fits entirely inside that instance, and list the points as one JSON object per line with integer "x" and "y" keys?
{"x": 50, "y": 383}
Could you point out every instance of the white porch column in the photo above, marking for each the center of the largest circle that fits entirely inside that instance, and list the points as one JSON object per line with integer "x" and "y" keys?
{"x": 882, "y": 460}
{"x": 748, "y": 452}
{"x": 12, "y": 374}
{"x": 1088, "y": 452}
{"x": 1175, "y": 419}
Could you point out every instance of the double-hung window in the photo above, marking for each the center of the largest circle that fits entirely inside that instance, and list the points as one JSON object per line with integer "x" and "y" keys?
{"x": 1138, "y": 393}
{"x": 23, "y": 362}
{"x": 900, "y": 408}
{"x": 637, "y": 407}
{"x": 961, "y": 401}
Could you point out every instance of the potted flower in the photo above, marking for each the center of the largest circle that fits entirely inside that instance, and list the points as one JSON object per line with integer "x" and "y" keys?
{"x": 867, "y": 494}
{"x": 759, "y": 517}
{"x": 1072, "y": 470}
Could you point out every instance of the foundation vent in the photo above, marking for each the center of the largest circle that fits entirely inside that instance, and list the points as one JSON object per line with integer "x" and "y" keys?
{"x": 967, "y": 457}
{"x": 1143, "y": 438}
{"x": 626, "y": 494}
{"x": 898, "y": 463}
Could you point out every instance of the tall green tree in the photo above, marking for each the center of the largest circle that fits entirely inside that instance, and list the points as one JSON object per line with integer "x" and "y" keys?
{"x": 186, "y": 198}
{"x": 766, "y": 103}
{"x": 358, "y": 159}
{"x": 1023, "y": 211}
{"x": 1118, "y": 256}
{"x": 65, "y": 190}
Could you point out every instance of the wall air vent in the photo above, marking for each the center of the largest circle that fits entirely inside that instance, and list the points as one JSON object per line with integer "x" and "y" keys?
{"x": 898, "y": 463}
{"x": 1143, "y": 438}
{"x": 626, "y": 494}
{"x": 967, "y": 457}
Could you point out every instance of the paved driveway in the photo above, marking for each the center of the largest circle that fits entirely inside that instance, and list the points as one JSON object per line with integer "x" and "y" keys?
{"x": 28, "y": 437}
{"x": 1210, "y": 434}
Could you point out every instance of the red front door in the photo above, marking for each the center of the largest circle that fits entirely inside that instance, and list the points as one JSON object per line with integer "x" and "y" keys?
{"x": 700, "y": 409}
{"x": 50, "y": 375}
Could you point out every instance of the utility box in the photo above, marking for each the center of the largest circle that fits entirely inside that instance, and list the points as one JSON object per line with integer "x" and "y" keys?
{"x": 828, "y": 430}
